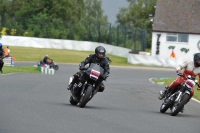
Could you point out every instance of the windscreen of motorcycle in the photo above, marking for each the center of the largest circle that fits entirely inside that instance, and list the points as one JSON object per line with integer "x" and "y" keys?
{"x": 190, "y": 83}
{"x": 94, "y": 71}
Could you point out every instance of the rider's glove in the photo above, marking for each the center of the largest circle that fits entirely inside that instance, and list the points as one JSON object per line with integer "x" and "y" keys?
{"x": 81, "y": 67}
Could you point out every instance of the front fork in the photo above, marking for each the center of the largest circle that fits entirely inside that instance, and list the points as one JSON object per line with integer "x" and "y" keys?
{"x": 179, "y": 96}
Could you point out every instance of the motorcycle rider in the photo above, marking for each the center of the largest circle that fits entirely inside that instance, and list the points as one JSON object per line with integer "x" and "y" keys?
{"x": 1, "y": 57}
{"x": 188, "y": 68}
{"x": 99, "y": 58}
{"x": 47, "y": 60}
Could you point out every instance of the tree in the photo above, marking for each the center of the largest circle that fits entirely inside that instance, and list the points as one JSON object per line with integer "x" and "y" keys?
{"x": 137, "y": 15}
{"x": 64, "y": 9}
{"x": 95, "y": 21}
{"x": 42, "y": 18}
{"x": 4, "y": 11}
{"x": 62, "y": 19}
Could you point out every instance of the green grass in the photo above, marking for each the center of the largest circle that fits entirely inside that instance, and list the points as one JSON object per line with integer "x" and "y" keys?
{"x": 60, "y": 55}
{"x": 9, "y": 69}
{"x": 168, "y": 81}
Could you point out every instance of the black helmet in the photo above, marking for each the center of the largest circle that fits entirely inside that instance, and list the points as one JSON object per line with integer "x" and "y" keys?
{"x": 100, "y": 50}
{"x": 197, "y": 59}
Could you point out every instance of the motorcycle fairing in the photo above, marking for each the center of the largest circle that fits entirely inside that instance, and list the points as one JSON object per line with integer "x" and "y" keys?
{"x": 190, "y": 83}
{"x": 94, "y": 74}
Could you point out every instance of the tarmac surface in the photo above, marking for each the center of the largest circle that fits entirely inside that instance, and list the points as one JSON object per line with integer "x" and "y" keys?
{"x": 39, "y": 103}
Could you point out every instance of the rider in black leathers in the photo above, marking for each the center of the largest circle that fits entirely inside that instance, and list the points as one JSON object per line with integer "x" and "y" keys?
{"x": 1, "y": 58}
{"x": 99, "y": 58}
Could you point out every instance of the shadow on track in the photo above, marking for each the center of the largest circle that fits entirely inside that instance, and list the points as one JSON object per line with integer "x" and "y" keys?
{"x": 86, "y": 107}
{"x": 183, "y": 115}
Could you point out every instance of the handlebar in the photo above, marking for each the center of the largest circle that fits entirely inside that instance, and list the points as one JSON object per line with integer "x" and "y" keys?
{"x": 193, "y": 78}
{"x": 181, "y": 74}
{"x": 83, "y": 69}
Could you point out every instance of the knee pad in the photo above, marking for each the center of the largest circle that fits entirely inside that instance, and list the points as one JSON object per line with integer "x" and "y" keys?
{"x": 101, "y": 88}
{"x": 77, "y": 75}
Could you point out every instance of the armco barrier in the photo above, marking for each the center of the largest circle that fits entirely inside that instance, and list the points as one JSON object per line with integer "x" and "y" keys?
{"x": 62, "y": 44}
{"x": 155, "y": 60}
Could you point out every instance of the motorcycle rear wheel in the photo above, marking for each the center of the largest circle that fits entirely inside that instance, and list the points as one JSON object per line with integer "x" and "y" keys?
{"x": 176, "y": 109}
{"x": 85, "y": 97}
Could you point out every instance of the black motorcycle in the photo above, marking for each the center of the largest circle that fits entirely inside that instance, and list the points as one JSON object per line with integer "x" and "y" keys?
{"x": 176, "y": 99}
{"x": 89, "y": 88}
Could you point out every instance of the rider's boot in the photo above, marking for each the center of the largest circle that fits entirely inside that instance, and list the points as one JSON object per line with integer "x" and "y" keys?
{"x": 101, "y": 87}
{"x": 76, "y": 76}
{"x": 69, "y": 87}
{"x": 164, "y": 93}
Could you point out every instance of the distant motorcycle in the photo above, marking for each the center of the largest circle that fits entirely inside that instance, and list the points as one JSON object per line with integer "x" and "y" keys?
{"x": 51, "y": 65}
{"x": 54, "y": 65}
{"x": 179, "y": 96}
{"x": 89, "y": 88}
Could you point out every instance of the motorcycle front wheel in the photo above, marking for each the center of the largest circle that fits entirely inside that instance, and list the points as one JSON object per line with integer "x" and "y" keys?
{"x": 85, "y": 97}
{"x": 164, "y": 107}
{"x": 56, "y": 67}
{"x": 178, "y": 107}
{"x": 72, "y": 101}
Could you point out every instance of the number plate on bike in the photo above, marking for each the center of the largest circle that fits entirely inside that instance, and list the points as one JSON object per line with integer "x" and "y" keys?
{"x": 94, "y": 74}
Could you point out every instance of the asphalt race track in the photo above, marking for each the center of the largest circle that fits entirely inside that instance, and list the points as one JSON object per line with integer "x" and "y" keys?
{"x": 38, "y": 103}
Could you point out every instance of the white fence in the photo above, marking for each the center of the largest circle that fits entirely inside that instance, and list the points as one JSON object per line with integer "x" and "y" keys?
{"x": 62, "y": 44}
{"x": 90, "y": 46}
{"x": 154, "y": 60}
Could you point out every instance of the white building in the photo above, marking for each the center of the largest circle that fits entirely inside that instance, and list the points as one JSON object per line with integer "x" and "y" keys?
{"x": 178, "y": 24}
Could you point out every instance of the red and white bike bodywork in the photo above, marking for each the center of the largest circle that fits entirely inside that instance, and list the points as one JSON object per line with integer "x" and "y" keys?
{"x": 179, "y": 97}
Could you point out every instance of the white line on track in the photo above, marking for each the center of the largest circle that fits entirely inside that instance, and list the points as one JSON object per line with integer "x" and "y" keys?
{"x": 6, "y": 74}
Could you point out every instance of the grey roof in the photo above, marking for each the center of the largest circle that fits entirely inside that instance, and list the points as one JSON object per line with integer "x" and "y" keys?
{"x": 181, "y": 16}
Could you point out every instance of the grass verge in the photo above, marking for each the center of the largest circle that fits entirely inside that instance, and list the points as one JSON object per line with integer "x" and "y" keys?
{"x": 60, "y": 55}
{"x": 9, "y": 69}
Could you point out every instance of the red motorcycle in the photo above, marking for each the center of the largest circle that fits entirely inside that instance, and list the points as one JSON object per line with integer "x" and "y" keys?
{"x": 180, "y": 96}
